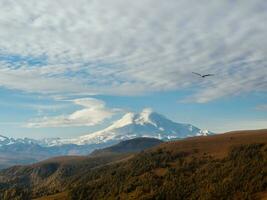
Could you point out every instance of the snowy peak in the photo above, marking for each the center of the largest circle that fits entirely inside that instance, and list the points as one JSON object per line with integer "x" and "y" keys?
{"x": 3, "y": 138}
{"x": 145, "y": 117}
{"x": 144, "y": 124}
{"x": 124, "y": 121}
{"x": 132, "y": 125}
{"x": 9, "y": 141}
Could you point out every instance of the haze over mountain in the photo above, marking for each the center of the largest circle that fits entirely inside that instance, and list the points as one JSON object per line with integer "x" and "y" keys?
{"x": 132, "y": 125}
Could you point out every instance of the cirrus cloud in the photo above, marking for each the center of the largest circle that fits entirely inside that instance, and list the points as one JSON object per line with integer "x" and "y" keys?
{"x": 125, "y": 47}
{"x": 262, "y": 107}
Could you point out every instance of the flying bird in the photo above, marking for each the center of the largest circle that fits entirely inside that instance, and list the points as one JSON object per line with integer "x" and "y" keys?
{"x": 204, "y": 75}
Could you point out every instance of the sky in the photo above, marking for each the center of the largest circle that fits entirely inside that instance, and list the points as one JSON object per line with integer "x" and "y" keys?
{"x": 68, "y": 68}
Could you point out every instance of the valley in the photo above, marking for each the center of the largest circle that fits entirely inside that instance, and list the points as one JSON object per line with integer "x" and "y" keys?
{"x": 231, "y": 165}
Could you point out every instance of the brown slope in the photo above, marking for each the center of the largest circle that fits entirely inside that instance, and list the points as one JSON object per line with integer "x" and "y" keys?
{"x": 129, "y": 146}
{"x": 78, "y": 172}
{"x": 53, "y": 175}
{"x": 216, "y": 145}
{"x": 227, "y": 166}
{"x": 59, "y": 196}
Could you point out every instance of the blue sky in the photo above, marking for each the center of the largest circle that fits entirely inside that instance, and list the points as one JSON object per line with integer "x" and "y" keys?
{"x": 230, "y": 113}
{"x": 69, "y": 68}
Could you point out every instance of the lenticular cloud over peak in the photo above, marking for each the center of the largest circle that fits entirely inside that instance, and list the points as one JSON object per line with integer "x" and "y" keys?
{"x": 93, "y": 112}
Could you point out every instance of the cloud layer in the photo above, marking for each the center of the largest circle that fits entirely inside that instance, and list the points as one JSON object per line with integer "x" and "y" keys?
{"x": 132, "y": 47}
{"x": 262, "y": 107}
{"x": 93, "y": 112}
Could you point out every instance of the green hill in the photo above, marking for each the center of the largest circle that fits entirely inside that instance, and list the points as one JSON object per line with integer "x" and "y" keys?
{"x": 226, "y": 166}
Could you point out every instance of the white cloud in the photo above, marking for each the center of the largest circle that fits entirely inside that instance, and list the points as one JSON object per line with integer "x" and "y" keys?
{"x": 262, "y": 107}
{"x": 93, "y": 112}
{"x": 133, "y": 47}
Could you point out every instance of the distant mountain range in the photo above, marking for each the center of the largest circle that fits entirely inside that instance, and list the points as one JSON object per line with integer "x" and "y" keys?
{"x": 224, "y": 166}
{"x": 132, "y": 125}
{"x": 49, "y": 173}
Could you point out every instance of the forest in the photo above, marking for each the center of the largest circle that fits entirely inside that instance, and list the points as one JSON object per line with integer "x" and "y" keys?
{"x": 228, "y": 166}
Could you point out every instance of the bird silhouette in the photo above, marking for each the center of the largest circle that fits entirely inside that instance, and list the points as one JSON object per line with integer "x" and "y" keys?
{"x": 204, "y": 75}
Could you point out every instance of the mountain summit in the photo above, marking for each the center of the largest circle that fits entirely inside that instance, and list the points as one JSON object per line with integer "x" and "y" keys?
{"x": 132, "y": 125}
{"x": 144, "y": 124}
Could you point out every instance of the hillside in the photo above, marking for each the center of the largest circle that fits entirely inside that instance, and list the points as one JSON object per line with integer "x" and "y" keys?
{"x": 20, "y": 153}
{"x": 49, "y": 176}
{"x": 226, "y": 166}
{"x": 129, "y": 146}
{"x": 54, "y": 174}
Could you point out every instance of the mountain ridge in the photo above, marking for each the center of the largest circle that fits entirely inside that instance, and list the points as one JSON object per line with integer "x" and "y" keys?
{"x": 170, "y": 169}
{"x": 144, "y": 124}
{"x": 129, "y": 146}
{"x": 132, "y": 125}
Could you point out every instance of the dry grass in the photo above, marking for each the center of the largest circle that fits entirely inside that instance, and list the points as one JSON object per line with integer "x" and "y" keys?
{"x": 62, "y": 160}
{"x": 261, "y": 196}
{"x": 216, "y": 145}
{"x": 59, "y": 196}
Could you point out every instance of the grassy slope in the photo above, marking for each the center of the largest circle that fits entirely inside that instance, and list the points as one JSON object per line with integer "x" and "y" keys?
{"x": 53, "y": 175}
{"x": 59, "y": 196}
{"x": 217, "y": 145}
{"x": 192, "y": 159}
{"x": 228, "y": 166}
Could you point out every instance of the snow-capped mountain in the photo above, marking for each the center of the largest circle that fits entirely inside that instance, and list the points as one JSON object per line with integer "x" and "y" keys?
{"x": 2, "y": 138}
{"x": 6, "y": 141}
{"x": 131, "y": 125}
{"x": 9, "y": 141}
{"x": 45, "y": 142}
{"x": 144, "y": 124}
